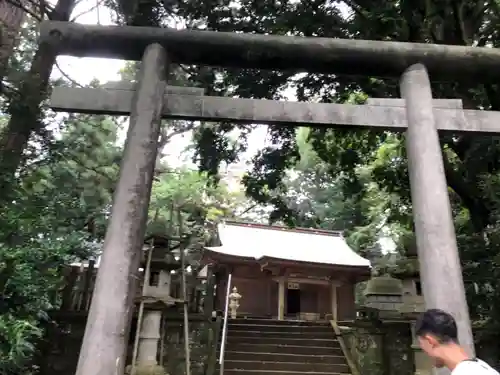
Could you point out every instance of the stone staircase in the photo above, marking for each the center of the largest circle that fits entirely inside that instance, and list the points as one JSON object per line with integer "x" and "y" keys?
{"x": 273, "y": 347}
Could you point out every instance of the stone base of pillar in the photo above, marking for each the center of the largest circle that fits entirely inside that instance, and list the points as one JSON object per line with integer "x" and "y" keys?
{"x": 146, "y": 369}
{"x": 148, "y": 338}
{"x": 423, "y": 364}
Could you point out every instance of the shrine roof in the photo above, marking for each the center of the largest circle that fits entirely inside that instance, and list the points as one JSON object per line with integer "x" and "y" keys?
{"x": 260, "y": 241}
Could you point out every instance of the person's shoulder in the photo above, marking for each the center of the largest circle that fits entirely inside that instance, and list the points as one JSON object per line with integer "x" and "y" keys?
{"x": 485, "y": 367}
{"x": 477, "y": 366}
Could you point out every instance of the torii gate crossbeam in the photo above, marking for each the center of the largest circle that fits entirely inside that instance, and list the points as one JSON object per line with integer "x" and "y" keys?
{"x": 275, "y": 52}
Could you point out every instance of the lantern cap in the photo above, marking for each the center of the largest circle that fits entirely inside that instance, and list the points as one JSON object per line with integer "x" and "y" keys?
{"x": 384, "y": 285}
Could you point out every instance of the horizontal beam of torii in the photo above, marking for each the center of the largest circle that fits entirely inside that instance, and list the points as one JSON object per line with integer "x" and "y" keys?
{"x": 274, "y": 52}
{"x": 188, "y": 104}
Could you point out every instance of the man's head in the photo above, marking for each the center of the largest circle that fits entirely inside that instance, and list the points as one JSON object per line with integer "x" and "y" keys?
{"x": 436, "y": 331}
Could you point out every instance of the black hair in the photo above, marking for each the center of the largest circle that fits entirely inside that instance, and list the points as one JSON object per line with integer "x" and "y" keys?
{"x": 439, "y": 324}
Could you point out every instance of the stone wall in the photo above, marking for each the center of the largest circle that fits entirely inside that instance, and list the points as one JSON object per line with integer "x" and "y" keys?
{"x": 59, "y": 350}
{"x": 398, "y": 349}
{"x": 173, "y": 357}
{"x": 380, "y": 348}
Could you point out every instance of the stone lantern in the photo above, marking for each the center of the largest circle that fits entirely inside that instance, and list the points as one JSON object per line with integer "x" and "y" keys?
{"x": 154, "y": 296}
{"x": 413, "y": 304}
{"x": 407, "y": 271}
{"x": 384, "y": 293}
{"x": 234, "y": 302}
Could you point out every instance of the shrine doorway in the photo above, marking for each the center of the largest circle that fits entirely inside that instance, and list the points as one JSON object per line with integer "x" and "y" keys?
{"x": 293, "y": 301}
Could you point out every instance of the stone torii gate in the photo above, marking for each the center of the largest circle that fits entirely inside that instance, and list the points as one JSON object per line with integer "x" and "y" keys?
{"x": 106, "y": 334}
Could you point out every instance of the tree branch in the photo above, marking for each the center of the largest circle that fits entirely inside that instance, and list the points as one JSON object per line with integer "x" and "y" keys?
{"x": 251, "y": 207}
{"x": 96, "y": 6}
{"x": 459, "y": 21}
{"x": 67, "y": 76}
{"x": 18, "y": 4}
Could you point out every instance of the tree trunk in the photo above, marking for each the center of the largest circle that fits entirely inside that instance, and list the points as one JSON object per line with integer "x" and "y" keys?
{"x": 274, "y": 52}
{"x": 11, "y": 18}
{"x": 25, "y": 109}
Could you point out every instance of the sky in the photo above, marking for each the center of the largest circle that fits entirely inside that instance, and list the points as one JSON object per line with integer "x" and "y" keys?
{"x": 84, "y": 70}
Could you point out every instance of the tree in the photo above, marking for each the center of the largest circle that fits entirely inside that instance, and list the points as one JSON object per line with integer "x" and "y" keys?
{"x": 25, "y": 105}
{"x": 190, "y": 193}
{"x": 321, "y": 199}
{"x": 11, "y": 17}
{"x": 55, "y": 212}
{"x": 57, "y": 217}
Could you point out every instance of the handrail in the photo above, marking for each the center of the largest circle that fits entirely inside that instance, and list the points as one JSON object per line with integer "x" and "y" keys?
{"x": 224, "y": 327}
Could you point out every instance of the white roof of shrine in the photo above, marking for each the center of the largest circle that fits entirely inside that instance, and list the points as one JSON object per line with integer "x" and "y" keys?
{"x": 300, "y": 245}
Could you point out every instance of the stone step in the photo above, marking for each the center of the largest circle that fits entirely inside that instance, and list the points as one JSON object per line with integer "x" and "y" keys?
{"x": 305, "y": 335}
{"x": 286, "y": 348}
{"x": 277, "y": 322}
{"x": 279, "y": 328}
{"x": 271, "y": 372}
{"x": 299, "y": 341}
{"x": 231, "y": 355}
{"x": 257, "y": 364}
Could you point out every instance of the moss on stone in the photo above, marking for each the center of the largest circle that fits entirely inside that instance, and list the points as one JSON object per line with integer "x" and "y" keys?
{"x": 384, "y": 285}
{"x": 147, "y": 369}
{"x": 384, "y": 349}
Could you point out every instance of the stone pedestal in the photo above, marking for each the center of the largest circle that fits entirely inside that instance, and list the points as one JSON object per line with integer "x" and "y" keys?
{"x": 149, "y": 337}
{"x": 366, "y": 347}
{"x": 423, "y": 364}
{"x": 150, "y": 331}
{"x": 164, "y": 281}
{"x": 413, "y": 306}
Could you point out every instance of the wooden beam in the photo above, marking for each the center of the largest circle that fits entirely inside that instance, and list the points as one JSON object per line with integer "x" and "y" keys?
{"x": 256, "y": 111}
{"x": 315, "y": 55}
{"x": 334, "y": 301}
{"x": 281, "y": 298}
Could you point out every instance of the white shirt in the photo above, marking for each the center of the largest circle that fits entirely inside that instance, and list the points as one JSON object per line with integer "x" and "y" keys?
{"x": 474, "y": 367}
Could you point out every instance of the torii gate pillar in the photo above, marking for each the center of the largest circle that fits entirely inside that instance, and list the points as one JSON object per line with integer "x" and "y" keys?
{"x": 440, "y": 269}
{"x": 106, "y": 335}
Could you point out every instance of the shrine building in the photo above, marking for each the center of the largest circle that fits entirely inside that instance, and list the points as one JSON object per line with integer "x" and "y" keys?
{"x": 282, "y": 273}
